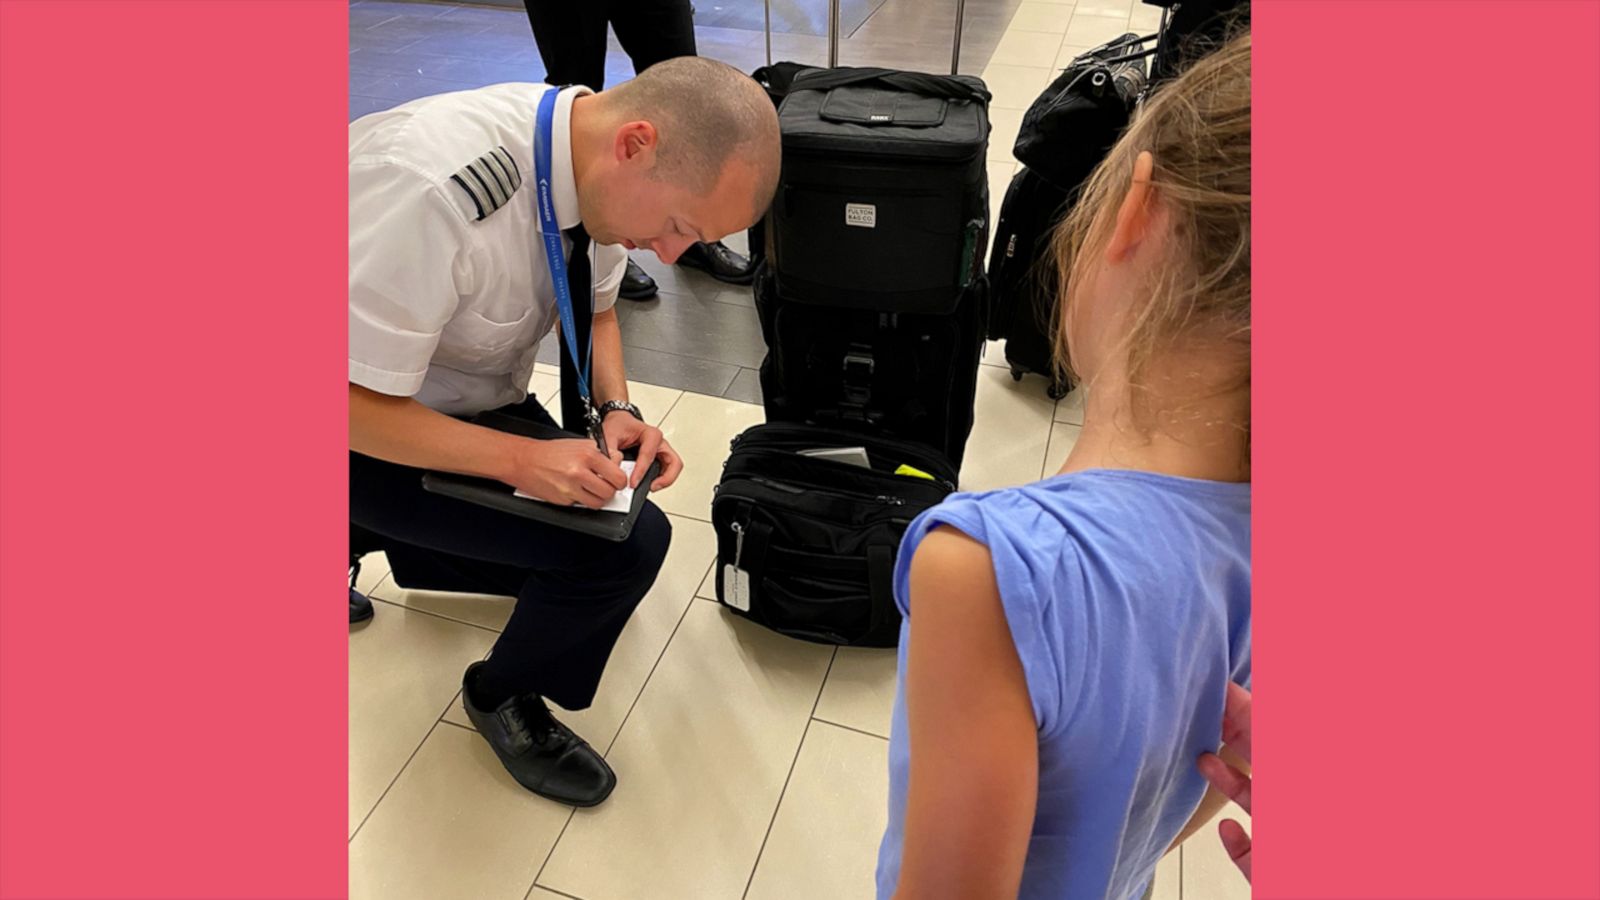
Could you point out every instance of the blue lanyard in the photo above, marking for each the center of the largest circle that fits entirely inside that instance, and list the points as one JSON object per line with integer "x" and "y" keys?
{"x": 555, "y": 254}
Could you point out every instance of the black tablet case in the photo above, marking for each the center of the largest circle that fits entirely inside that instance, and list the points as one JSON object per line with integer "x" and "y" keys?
{"x": 497, "y": 495}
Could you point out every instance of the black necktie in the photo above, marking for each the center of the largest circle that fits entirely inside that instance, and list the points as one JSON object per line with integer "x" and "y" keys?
{"x": 573, "y": 412}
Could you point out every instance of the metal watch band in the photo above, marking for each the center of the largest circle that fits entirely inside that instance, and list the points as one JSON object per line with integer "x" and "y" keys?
{"x": 611, "y": 406}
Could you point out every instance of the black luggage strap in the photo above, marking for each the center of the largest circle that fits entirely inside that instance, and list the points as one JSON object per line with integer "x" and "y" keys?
{"x": 880, "y": 583}
{"x": 757, "y": 538}
{"x": 1116, "y": 51}
{"x": 943, "y": 86}
{"x": 859, "y": 367}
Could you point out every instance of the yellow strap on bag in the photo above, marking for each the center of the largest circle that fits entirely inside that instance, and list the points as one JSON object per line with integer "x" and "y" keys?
{"x": 913, "y": 473}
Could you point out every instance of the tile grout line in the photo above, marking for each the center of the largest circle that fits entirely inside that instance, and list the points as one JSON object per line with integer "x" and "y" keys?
{"x": 387, "y": 574}
{"x": 1180, "y": 872}
{"x": 557, "y": 893}
{"x": 392, "y": 782}
{"x": 376, "y": 24}
{"x": 571, "y": 814}
{"x": 690, "y": 295}
{"x": 718, "y": 362}
{"x": 646, "y": 683}
{"x": 426, "y": 612}
{"x": 705, "y": 521}
{"x": 459, "y": 691}
{"x": 681, "y": 391}
{"x": 845, "y": 37}
{"x": 754, "y": 867}
{"x": 1048, "y": 446}
{"x": 848, "y": 728}
{"x": 486, "y": 656}
{"x": 709, "y": 569}
{"x": 613, "y": 742}
{"x": 675, "y": 401}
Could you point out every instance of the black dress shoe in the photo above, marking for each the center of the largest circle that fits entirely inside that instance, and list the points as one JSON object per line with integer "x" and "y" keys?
{"x": 360, "y": 607}
{"x": 720, "y": 262}
{"x": 636, "y": 283}
{"x": 542, "y": 754}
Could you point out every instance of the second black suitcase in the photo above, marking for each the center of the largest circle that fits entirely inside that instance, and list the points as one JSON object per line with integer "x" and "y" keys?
{"x": 1024, "y": 286}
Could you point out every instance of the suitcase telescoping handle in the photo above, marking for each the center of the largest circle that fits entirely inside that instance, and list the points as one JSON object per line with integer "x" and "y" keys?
{"x": 833, "y": 33}
{"x": 955, "y": 45}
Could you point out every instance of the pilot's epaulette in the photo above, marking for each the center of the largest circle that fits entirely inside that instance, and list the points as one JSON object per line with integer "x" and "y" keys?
{"x": 489, "y": 180}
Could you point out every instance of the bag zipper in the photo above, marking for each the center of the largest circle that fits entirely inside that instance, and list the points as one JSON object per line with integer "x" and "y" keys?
{"x": 742, "y": 497}
{"x": 786, "y": 488}
{"x": 798, "y": 438}
{"x": 791, "y": 489}
{"x": 906, "y": 481}
{"x": 900, "y": 482}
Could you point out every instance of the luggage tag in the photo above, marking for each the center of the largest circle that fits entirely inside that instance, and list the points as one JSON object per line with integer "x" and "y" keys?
{"x": 736, "y": 581}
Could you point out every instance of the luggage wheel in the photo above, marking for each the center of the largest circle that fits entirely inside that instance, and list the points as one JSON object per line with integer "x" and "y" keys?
{"x": 1016, "y": 374}
{"x": 1056, "y": 390}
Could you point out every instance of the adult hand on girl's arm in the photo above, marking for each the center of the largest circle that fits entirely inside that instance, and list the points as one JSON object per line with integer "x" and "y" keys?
{"x": 974, "y": 744}
{"x": 1231, "y": 777}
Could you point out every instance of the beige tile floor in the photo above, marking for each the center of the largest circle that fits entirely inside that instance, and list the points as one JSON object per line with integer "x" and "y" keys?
{"x": 750, "y": 765}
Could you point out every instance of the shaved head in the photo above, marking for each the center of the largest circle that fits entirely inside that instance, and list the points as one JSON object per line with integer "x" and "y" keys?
{"x": 708, "y": 114}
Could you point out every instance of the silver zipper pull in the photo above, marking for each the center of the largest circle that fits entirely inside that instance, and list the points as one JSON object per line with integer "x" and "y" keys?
{"x": 738, "y": 543}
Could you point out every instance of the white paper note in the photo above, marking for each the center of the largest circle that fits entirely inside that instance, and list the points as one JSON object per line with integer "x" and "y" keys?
{"x": 620, "y": 502}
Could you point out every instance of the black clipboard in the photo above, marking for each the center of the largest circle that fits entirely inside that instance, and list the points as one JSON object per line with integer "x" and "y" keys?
{"x": 611, "y": 526}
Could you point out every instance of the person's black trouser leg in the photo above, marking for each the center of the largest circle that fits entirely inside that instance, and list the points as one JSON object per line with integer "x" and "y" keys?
{"x": 574, "y": 592}
{"x": 572, "y": 40}
{"x": 572, "y": 36}
{"x": 653, "y": 30}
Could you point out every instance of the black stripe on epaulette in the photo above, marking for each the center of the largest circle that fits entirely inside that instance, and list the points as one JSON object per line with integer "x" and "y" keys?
{"x": 471, "y": 193}
{"x": 498, "y": 170}
{"x": 504, "y": 156}
{"x": 485, "y": 181}
{"x": 490, "y": 180}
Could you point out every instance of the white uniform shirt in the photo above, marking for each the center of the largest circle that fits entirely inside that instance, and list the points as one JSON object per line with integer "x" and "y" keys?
{"x": 443, "y": 307}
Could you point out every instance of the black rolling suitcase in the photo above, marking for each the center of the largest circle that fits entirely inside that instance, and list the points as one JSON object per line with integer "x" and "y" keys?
{"x": 1191, "y": 29}
{"x": 1022, "y": 277}
{"x": 776, "y": 79}
{"x": 1065, "y": 133}
{"x": 873, "y": 295}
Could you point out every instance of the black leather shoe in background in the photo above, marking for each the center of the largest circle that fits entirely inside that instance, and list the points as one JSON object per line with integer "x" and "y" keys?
{"x": 360, "y": 607}
{"x": 720, "y": 262}
{"x": 636, "y": 283}
{"x": 542, "y": 754}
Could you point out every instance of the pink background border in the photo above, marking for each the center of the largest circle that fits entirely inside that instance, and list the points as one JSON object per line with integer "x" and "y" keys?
{"x": 1428, "y": 459}
{"x": 172, "y": 661}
